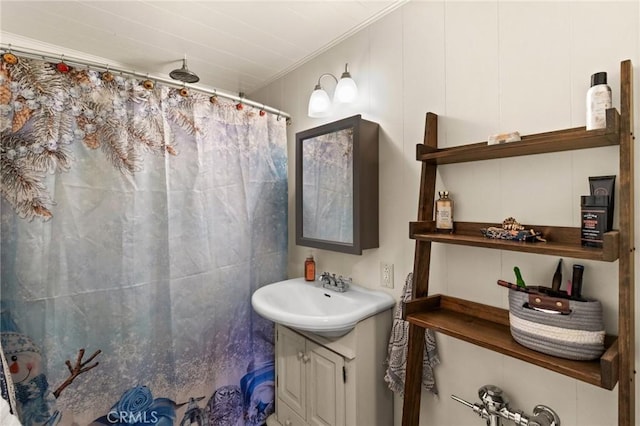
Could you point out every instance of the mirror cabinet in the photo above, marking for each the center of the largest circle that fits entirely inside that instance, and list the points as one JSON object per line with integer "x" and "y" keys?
{"x": 337, "y": 186}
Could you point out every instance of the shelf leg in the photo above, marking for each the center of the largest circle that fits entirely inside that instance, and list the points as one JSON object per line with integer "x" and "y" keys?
{"x": 626, "y": 272}
{"x": 413, "y": 379}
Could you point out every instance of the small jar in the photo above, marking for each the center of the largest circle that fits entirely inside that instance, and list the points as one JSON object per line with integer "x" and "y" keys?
{"x": 310, "y": 269}
{"x": 444, "y": 213}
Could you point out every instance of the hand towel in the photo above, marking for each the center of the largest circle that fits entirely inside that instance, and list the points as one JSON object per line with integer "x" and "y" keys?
{"x": 398, "y": 345}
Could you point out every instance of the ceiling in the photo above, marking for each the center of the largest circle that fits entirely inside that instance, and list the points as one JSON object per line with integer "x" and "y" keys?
{"x": 235, "y": 46}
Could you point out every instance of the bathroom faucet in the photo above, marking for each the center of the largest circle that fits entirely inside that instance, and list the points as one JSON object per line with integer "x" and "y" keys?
{"x": 495, "y": 406}
{"x": 334, "y": 283}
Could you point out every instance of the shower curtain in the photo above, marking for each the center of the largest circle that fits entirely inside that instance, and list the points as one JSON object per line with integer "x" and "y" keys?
{"x": 136, "y": 222}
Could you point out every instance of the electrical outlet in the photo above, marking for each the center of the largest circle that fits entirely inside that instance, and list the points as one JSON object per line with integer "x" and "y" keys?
{"x": 386, "y": 275}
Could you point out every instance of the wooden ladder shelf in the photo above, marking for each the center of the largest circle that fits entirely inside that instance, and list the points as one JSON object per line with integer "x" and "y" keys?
{"x": 488, "y": 326}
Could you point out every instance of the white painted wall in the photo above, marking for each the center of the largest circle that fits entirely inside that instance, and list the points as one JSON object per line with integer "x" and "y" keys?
{"x": 485, "y": 68}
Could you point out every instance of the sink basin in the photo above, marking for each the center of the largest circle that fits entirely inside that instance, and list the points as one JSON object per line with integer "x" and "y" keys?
{"x": 308, "y": 306}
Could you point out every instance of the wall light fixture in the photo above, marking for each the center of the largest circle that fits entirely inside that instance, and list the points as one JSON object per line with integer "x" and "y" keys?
{"x": 346, "y": 92}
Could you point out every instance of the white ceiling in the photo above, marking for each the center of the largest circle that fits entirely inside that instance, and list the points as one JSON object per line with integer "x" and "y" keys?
{"x": 236, "y": 46}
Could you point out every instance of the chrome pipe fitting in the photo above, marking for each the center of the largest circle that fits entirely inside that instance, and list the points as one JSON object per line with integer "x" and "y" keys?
{"x": 495, "y": 407}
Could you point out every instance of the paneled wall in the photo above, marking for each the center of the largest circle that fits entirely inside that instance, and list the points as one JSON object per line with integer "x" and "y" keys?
{"x": 484, "y": 68}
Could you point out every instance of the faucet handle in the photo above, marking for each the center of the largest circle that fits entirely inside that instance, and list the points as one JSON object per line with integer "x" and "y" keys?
{"x": 342, "y": 282}
{"x": 477, "y": 408}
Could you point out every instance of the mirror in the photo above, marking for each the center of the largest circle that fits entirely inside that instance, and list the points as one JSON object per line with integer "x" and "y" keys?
{"x": 337, "y": 186}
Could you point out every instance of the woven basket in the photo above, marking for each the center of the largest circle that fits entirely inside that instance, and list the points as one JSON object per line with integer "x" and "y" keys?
{"x": 578, "y": 335}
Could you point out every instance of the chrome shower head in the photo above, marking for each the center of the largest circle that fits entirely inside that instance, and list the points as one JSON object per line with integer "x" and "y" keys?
{"x": 184, "y": 74}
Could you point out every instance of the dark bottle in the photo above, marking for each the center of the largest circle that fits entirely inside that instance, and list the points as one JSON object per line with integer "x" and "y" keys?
{"x": 557, "y": 277}
{"x": 576, "y": 282}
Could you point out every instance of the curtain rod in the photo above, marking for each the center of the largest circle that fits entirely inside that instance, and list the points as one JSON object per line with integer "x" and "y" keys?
{"x": 38, "y": 54}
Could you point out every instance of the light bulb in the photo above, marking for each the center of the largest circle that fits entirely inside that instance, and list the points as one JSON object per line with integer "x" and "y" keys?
{"x": 346, "y": 90}
{"x": 319, "y": 103}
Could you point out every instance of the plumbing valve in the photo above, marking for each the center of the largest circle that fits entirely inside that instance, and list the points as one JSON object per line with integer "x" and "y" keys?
{"x": 495, "y": 406}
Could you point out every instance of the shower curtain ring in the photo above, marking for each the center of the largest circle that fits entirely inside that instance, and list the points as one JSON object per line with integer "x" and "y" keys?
{"x": 239, "y": 105}
{"x": 148, "y": 84}
{"x": 9, "y": 57}
{"x": 61, "y": 66}
{"x": 107, "y": 76}
{"x": 184, "y": 92}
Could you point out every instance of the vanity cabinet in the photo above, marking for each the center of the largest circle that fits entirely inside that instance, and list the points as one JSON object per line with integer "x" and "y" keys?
{"x": 311, "y": 381}
{"x": 323, "y": 381}
{"x": 488, "y": 326}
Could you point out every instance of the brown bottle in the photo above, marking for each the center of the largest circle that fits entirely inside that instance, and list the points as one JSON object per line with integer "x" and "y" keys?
{"x": 310, "y": 269}
{"x": 556, "y": 282}
{"x": 444, "y": 212}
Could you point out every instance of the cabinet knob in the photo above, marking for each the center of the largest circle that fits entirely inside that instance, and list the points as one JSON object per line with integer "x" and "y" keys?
{"x": 288, "y": 423}
{"x": 305, "y": 359}
{"x": 300, "y": 355}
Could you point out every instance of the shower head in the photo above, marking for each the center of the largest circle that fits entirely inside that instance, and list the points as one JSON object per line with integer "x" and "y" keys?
{"x": 184, "y": 74}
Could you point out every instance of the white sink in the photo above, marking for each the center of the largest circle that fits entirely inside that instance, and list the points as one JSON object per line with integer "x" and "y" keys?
{"x": 308, "y": 306}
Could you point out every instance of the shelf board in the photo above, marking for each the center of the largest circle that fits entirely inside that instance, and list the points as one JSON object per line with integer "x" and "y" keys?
{"x": 488, "y": 327}
{"x": 560, "y": 140}
{"x": 561, "y": 241}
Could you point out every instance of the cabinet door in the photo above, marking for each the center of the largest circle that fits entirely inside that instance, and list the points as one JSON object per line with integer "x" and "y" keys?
{"x": 291, "y": 358}
{"x": 326, "y": 387}
{"x": 286, "y": 416}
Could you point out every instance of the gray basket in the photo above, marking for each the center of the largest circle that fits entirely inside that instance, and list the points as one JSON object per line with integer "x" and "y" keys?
{"x": 578, "y": 335}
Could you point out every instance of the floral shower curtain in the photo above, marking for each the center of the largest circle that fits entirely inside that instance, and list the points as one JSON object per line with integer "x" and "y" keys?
{"x": 136, "y": 221}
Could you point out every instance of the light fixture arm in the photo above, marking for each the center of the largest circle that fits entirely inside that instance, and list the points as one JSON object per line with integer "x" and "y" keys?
{"x": 326, "y": 74}
{"x": 346, "y": 73}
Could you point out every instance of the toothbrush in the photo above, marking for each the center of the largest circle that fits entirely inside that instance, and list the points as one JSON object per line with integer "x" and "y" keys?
{"x": 519, "y": 280}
